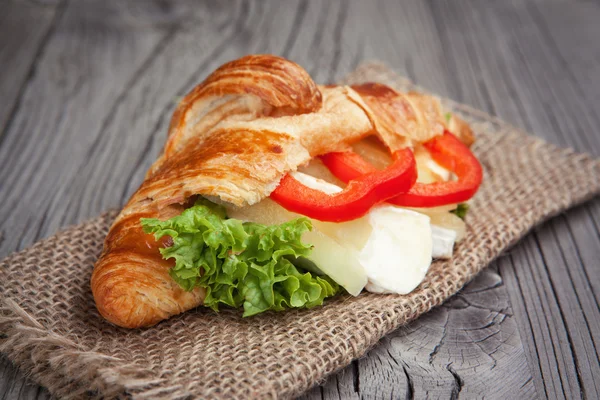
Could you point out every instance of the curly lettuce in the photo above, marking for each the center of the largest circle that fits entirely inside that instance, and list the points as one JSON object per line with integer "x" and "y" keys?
{"x": 241, "y": 263}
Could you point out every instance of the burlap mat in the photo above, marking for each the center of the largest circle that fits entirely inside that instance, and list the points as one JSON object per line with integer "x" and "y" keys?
{"x": 53, "y": 332}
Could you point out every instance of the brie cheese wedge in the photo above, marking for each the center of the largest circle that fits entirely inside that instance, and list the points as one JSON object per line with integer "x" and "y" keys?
{"x": 389, "y": 250}
{"x": 398, "y": 248}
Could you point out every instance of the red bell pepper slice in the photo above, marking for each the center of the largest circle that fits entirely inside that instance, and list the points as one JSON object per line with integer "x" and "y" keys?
{"x": 445, "y": 149}
{"x": 361, "y": 193}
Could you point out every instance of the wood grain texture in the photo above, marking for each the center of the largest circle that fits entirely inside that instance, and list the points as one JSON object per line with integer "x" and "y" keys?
{"x": 461, "y": 348}
{"x": 87, "y": 89}
{"x": 21, "y": 56}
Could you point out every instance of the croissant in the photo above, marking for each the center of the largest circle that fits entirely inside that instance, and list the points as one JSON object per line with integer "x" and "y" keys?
{"x": 231, "y": 139}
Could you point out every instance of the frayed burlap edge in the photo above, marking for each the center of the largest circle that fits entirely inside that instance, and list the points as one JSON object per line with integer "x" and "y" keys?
{"x": 60, "y": 364}
{"x": 72, "y": 371}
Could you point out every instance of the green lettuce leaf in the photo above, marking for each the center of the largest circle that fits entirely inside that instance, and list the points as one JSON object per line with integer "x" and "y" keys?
{"x": 448, "y": 117}
{"x": 461, "y": 210}
{"x": 241, "y": 263}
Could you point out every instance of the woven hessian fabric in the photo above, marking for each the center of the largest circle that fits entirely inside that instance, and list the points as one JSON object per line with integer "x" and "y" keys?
{"x": 52, "y": 331}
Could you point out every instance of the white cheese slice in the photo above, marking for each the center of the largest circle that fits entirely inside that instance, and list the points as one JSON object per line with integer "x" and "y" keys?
{"x": 438, "y": 169}
{"x": 316, "y": 183}
{"x": 397, "y": 253}
{"x": 443, "y": 242}
{"x": 328, "y": 255}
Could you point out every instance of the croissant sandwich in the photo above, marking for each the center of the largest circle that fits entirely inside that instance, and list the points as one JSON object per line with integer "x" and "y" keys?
{"x": 273, "y": 192}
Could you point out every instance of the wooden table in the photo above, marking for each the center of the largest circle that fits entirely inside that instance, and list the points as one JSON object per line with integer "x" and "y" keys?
{"x": 87, "y": 89}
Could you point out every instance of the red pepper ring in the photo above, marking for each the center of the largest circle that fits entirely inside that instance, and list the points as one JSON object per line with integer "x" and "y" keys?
{"x": 452, "y": 154}
{"x": 362, "y": 192}
{"x": 445, "y": 149}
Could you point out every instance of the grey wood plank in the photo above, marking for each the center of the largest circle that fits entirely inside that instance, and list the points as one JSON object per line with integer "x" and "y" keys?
{"x": 78, "y": 74}
{"x": 474, "y": 33}
{"x": 13, "y": 385}
{"x": 460, "y": 348}
{"x": 78, "y": 43}
{"x": 127, "y": 68}
{"x": 563, "y": 116}
{"x": 19, "y": 60}
{"x": 19, "y": 57}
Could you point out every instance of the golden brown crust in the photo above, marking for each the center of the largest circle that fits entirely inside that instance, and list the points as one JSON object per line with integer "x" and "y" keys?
{"x": 279, "y": 83}
{"x": 407, "y": 119}
{"x": 232, "y": 138}
{"x": 402, "y": 119}
{"x": 130, "y": 282}
{"x": 461, "y": 129}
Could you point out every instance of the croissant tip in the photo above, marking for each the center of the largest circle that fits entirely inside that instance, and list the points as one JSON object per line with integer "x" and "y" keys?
{"x": 124, "y": 307}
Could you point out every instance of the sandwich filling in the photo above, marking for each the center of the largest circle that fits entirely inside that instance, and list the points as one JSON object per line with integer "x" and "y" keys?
{"x": 265, "y": 257}
{"x": 241, "y": 263}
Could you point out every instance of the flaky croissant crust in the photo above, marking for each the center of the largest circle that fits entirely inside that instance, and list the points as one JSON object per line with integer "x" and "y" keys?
{"x": 232, "y": 138}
